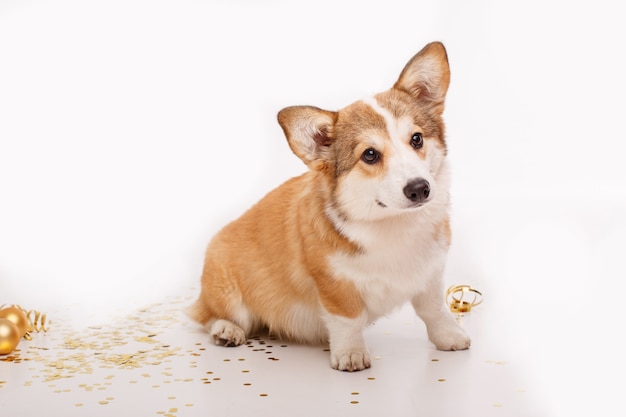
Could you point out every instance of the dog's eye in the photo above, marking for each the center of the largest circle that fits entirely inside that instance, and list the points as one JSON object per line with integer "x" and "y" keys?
{"x": 370, "y": 156}
{"x": 417, "y": 141}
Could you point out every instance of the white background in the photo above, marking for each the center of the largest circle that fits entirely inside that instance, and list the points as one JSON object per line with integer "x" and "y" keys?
{"x": 131, "y": 131}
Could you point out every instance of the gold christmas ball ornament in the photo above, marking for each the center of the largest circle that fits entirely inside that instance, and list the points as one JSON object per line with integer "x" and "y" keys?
{"x": 18, "y": 317}
{"x": 9, "y": 336}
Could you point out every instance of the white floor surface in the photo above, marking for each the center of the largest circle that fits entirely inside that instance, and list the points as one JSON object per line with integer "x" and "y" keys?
{"x": 158, "y": 362}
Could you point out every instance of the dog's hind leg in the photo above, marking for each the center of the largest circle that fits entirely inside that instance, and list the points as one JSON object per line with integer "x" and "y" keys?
{"x": 230, "y": 326}
{"x": 227, "y": 319}
{"x": 226, "y": 333}
{"x": 233, "y": 330}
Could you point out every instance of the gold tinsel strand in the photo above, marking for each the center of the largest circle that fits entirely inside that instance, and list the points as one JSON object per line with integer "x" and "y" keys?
{"x": 457, "y": 301}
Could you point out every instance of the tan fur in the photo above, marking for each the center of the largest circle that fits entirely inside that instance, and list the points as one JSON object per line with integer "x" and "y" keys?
{"x": 292, "y": 210}
{"x": 297, "y": 262}
{"x": 443, "y": 231}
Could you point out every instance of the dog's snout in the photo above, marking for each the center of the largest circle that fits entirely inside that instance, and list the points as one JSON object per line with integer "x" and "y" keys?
{"x": 417, "y": 190}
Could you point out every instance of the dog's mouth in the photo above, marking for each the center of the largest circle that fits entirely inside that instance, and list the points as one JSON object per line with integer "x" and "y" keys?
{"x": 410, "y": 206}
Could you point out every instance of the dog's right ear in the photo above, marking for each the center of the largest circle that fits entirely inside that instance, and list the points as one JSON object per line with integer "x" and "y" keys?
{"x": 309, "y": 132}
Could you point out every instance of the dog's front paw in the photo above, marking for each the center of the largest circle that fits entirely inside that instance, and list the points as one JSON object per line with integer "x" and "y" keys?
{"x": 449, "y": 336}
{"x": 350, "y": 360}
{"x": 227, "y": 333}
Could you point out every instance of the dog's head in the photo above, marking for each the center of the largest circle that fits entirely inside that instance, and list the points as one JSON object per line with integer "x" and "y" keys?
{"x": 382, "y": 154}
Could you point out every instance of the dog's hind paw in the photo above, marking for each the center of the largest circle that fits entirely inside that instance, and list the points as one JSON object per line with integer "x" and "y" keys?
{"x": 227, "y": 333}
{"x": 350, "y": 360}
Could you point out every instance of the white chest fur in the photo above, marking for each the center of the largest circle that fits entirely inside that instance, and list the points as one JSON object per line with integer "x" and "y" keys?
{"x": 400, "y": 255}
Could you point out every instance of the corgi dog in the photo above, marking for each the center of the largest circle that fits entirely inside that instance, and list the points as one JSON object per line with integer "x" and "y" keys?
{"x": 364, "y": 231}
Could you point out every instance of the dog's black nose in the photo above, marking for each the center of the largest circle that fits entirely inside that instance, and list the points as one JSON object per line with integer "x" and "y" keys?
{"x": 417, "y": 190}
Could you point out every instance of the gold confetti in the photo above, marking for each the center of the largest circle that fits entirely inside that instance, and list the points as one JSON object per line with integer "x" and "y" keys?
{"x": 145, "y": 339}
{"x": 71, "y": 354}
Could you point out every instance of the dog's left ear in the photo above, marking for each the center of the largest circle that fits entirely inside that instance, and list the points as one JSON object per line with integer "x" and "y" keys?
{"x": 427, "y": 76}
{"x": 309, "y": 132}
